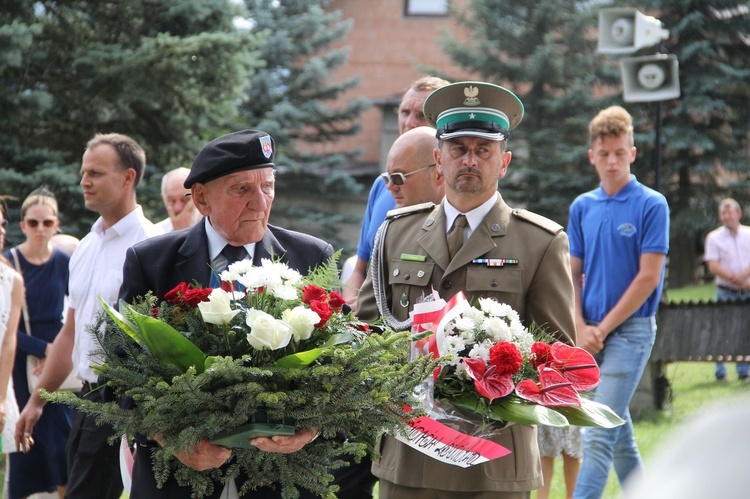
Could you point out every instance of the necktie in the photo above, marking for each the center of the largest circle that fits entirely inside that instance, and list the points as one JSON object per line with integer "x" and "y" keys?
{"x": 456, "y": 235}
{"x": 234, "y": 253}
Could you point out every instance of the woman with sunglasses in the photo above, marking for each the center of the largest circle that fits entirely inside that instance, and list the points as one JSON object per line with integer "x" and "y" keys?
{"x": 45, "y": 272}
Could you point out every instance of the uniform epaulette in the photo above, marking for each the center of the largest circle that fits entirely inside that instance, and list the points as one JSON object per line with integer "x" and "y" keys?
{"x": 409, "y": 210}
{"x": 543, "y": 222}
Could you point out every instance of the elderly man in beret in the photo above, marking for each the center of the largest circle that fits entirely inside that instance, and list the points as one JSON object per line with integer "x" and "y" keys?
{"x": 232, "y": 186}
{"x": 451, "y": 247}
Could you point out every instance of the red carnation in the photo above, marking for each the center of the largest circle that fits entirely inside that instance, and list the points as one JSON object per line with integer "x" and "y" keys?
{"x": 312, "y": 292}
{"x": 505, "y": 357}
{"x": 336, "y": 301}
{"x": 323, "y": 310}
{"x": 540, "y": 353}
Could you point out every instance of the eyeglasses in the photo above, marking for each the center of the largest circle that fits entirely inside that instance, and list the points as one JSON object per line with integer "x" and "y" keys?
{"x": 400, "y": 178}
{"x": 35, "y": 223}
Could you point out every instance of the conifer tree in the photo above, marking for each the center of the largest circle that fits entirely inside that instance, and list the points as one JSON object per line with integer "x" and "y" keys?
{"x": 544, "y": 52}
{"x": 165, "y": 73}
{"x": 295, "y": 99}
{"x": 706, "y": 132}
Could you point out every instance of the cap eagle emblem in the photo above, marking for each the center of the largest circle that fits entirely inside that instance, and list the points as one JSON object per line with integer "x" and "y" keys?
{"x": 471, "y": 93}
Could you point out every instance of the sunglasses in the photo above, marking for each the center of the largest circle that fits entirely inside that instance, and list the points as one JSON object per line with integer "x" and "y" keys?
{"x": 400, "y": 178}
{"x": 35, "y": 223}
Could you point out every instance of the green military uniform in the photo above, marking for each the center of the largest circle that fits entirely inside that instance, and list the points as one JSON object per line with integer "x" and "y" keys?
{"x": 413, "y": 259}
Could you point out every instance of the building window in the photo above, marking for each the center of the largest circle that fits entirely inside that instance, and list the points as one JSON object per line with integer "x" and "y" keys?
{"x": 426, "y": 8}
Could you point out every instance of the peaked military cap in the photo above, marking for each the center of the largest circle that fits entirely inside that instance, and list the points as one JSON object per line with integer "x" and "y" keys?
{"x": 473, "y": 108}
{"x": 234, "y": 152}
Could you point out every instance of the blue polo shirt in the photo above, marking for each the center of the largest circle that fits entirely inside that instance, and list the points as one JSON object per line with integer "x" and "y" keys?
{"x": 379, "y": 203}
{"x": 609, "y": 234}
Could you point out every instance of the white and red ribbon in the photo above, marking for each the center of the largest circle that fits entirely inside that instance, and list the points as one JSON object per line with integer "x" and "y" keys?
{"x": 450, "y": 446}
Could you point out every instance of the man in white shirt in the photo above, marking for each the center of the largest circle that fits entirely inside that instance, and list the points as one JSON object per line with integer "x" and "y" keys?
{"x": 727, "y": 257}
{"x": 112, "y": 166}
{"x": 177, "y": 201}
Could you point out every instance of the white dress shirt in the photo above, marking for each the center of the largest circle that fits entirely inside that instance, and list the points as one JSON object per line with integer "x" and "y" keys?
{"x": 96, "y": 271}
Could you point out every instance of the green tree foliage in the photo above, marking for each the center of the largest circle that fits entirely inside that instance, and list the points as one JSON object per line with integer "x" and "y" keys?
{"x": 293, "y": 98}
{"x": 165, "y": 73}
{"x": 706, "y": 150}
{"x": 295, "y": 101}
{"x": 545, "y": 53}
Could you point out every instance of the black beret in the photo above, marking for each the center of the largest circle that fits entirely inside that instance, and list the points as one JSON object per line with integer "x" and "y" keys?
{"x": 234, "y": 152}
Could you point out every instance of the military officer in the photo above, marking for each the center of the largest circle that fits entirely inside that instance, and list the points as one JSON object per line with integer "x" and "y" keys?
{"x": 512, "y": 255}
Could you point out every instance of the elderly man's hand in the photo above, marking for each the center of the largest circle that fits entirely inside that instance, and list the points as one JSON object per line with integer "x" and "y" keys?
{"x": 204, "y": 456}
{"x": 286, "y": 444}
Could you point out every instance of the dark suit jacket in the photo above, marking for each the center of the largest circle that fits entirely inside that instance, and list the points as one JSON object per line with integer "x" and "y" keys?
{"x": 538, "y": 287}
{"x": 159, "y": 264}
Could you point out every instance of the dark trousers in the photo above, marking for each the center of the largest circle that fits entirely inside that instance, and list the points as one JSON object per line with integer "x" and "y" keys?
{"x": 93, "y": 464}
{"x": 144, "y": 483}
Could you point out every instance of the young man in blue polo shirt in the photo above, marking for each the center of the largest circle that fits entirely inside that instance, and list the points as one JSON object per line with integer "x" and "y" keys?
{"x": 619, "y": 238}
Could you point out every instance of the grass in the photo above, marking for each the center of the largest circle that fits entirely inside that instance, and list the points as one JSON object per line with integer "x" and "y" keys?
{"x": 694, "y": 388}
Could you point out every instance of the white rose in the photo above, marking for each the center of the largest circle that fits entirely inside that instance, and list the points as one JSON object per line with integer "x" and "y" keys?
{"x": 302, "y": 320}
{"x": 217, "y": 309}
{"x": 267, "y": 333}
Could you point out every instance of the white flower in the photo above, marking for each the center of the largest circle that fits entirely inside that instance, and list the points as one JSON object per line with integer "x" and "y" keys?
{"x": 454, "y": 345}
{"x": 496, "y": 309}
{"x": 302, "y": 320}
{"x": 267, "y": 333}
{"x": 524, "y": 340}
{"x": 217, "y": 310}
{"x": 235, "y": 270}
{"x": 288, "y": 276}
{"x": 464, "y": 323}
{"x": 285, "y": 292}
{"x": 481, "y": 350}
{"x": 497, "y": 329}
{"x": 475, "y": 315}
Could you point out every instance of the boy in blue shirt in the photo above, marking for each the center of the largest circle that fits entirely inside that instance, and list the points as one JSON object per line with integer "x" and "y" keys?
{"x": 619, "y": 238}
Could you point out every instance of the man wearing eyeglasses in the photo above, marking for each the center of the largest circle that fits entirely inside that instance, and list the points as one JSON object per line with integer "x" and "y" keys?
{"x": 411, "y": 176}
{"x": 410, "y": 116}
{"x": 511, "y": 255}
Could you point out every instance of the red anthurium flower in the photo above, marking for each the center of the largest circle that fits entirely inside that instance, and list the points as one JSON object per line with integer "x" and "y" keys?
{"x": 540, "y": 354}
{"x": 488, "y": 381}
{"x": 553, "y": 390}
{"x": 576, "y": 365}
{"x": 323, "y": 310}
{"x": 505, "y": 357}
{"x": 336, "y": 301}
{"x": 312, "y": 292}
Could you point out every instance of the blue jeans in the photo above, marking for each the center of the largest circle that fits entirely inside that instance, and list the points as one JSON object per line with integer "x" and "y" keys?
{"x": 621, "y": 361}
{"x": 743, "y": 368}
